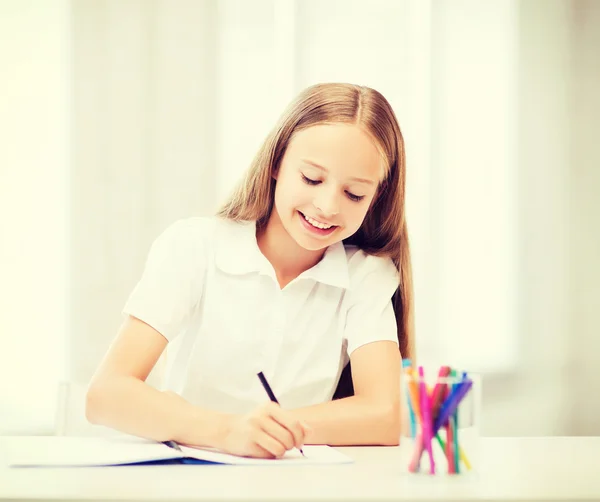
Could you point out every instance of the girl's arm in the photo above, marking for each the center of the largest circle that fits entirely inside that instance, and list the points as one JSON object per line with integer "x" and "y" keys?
{"x": 372, "y": 416}
{"x": 118, "y": 396}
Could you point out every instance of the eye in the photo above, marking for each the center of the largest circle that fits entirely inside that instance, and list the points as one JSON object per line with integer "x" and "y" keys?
{"x": 309, "y": 181}
{"x": 355, "y": 198}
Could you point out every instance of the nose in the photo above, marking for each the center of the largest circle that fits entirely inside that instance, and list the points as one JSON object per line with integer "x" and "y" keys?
{"x": 327, "y": 202}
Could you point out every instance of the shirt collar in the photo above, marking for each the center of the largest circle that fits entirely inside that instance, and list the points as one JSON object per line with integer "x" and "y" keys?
{"x": 237, "y": 253}
{"x": 332, "y": 269}
{"x": 236, "y": 249}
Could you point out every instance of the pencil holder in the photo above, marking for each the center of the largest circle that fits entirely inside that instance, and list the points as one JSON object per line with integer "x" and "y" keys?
{"x": 442, "y": 413}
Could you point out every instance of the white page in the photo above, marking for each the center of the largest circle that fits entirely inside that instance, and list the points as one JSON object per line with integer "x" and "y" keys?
{"x": 70, "y": 451}
{"x": 314, "y": 454}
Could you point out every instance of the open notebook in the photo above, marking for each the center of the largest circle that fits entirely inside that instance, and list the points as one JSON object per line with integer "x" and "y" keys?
{"x": 66, "y": 451}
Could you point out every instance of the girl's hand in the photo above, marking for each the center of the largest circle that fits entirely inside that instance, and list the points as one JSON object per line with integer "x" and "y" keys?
{"x": 266, "y": 432}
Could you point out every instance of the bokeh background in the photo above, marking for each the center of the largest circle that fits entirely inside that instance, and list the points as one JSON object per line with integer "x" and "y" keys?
{"x": 118, "y": 117}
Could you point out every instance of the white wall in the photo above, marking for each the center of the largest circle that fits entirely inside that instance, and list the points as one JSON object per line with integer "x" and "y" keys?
{"x": 142, "y": 143}
{"x": 539, "y": 382}
{"x": 582, "y": 337}
{"x": 474, "y": 181}
{"x": 256, "y": 74}
{"x": 34, "y": 188}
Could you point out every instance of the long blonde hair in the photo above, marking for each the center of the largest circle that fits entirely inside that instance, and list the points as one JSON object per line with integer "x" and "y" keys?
{"x": 384, "y": 230}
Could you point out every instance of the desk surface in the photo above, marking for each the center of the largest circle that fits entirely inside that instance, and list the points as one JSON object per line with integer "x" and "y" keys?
{"x": 509, "y": 469}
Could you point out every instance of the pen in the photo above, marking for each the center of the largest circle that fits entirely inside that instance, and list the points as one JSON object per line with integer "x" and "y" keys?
{"x": 172, "y": 444}
{"x": 272, "y": 397}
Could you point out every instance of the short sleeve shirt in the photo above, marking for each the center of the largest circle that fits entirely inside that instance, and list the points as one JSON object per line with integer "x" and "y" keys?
{"x": 209, "y": 290}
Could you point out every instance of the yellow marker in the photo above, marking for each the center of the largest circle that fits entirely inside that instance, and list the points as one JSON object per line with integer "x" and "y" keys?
{"x": 461, "y": 453}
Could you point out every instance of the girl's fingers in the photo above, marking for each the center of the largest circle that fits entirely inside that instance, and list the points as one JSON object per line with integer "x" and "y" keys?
{"x": 291, "y": 424}
{"x": 259, "y": 452}
{"x": 270, "y": 444}
{"x": 278, "y": 432}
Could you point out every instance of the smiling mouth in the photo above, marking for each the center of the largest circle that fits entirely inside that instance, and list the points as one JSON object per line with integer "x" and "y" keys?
{"x": 315, "y": 223}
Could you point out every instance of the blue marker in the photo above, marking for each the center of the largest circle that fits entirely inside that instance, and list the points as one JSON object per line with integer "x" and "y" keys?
{"x": 407, "y": 363}
{"x": 451, "y": 404}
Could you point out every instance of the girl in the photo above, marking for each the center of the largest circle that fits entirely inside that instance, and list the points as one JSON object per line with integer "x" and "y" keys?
{"x": 305, "y": 270}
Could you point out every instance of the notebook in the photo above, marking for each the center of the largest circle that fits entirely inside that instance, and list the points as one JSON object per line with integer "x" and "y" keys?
{"x": 68, "y": 451}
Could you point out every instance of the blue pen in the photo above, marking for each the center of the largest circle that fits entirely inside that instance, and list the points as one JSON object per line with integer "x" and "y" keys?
{"x": 269, "y": 391}
{"x": 454, "y": 399}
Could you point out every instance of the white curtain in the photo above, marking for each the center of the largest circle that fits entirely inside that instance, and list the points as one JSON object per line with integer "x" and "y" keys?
{"x": 34, "y": 202}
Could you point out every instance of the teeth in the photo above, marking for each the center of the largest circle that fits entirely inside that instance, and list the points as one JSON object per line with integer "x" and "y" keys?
{"x": 315, "y": 223}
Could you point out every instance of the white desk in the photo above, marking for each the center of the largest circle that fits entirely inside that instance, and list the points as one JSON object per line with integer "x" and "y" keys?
{"x": 510, "y": 469}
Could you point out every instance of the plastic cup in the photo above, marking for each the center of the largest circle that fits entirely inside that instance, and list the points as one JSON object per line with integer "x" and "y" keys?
{"x": 455, "y": 440}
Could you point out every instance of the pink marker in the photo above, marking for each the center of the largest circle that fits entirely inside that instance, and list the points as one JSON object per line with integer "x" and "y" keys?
{"x": 426, "y": 425}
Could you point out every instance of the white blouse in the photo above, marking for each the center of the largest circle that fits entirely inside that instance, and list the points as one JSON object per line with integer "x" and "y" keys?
{"x": 209, "y": 290}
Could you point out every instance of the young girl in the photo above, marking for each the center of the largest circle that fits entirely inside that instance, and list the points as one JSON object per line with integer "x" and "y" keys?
{"x": 304, "y": 270}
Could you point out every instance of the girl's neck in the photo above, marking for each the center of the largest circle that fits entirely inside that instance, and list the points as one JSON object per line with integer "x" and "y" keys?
{"x": 288, "y": 259}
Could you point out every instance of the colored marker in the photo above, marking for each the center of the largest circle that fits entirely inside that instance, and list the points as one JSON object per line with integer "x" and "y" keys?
{"x": 407, "y": 363}
{"x": 426, "y": 418}
{"x": 452, "y": 403}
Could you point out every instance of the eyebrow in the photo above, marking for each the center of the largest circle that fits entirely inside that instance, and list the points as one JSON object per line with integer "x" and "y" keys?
{"x": 358, "y": 180}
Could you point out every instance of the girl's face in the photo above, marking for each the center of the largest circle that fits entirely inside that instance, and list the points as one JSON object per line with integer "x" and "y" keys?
{"x": 326, "y": 182}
